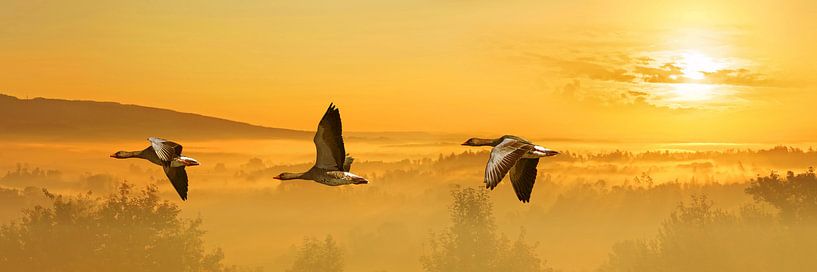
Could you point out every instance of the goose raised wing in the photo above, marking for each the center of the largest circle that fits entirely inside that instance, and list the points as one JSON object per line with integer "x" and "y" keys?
{"x": 331, "y": 162}
{"x": 515, "y": 155}
{"x": 168, "y": 155}
{"x": 329, "y": 141}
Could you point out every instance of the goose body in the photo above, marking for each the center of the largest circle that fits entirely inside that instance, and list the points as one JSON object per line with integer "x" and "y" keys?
{"x": 515, "y": 155}
{"x": 169, "y": 156}
{"x": 332, "y": 163}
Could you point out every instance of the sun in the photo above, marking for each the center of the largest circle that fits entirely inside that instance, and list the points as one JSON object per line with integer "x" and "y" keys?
{"x": 692, "y": 92}
{"x": 694, "y": 64}
{"x": 690, "y": 82}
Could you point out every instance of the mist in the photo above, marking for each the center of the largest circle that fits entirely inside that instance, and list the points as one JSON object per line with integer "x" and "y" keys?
{"x": 590, "y": 211}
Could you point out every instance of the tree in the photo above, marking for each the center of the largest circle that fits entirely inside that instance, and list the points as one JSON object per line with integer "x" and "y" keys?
{"x": 520, "y": 256}
{"x": 471, "y": 242}
{"x": 795, "y": 196}
{"x": 699, "y": 237}
{"x": 125, "y": 231}
{"x": 317, "y": 256}
{"x": 694, "y": 238}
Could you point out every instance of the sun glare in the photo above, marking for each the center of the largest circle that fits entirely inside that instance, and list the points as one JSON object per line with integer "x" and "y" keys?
{"x": 694, "y": 64}
{"x": 692, "y": 92}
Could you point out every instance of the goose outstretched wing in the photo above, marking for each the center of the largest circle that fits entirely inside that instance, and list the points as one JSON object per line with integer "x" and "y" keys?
{"x": 329, "y": 141}
{"x": 523, "y": 176}
{"x": 503, "y": 157}
{"x": 166, "y": 150}
{"x": 178, "y": 177}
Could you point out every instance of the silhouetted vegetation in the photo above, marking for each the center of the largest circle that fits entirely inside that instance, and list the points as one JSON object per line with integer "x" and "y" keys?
{"x": 795, "y": 195}
{"x": 23, "y": 174}
{"x": 472, "y": 244}
{"x": 699, "y": 237}
{"x": 125, "y": 231}
{"x": 584, "y": 205}
{"x": 318, "y": 256}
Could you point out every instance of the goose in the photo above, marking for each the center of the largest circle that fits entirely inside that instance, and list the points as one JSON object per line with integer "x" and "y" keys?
{"x": 515, "y": 155}
{"x": 169, "y": 156}
{"x": 332, "y": 164}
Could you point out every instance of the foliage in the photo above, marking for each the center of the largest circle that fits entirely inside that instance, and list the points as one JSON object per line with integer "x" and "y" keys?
{"x": 317, "y": 256}
{"x": 125, "y": 231}
{"x": 795, "y": 195}
{"x": 472, "y": 244}
{"x": 699, "y": 237}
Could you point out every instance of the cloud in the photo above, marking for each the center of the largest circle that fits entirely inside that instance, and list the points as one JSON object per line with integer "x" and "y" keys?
{"x": 672, "y": 73}
{"x": 585, "y": 67}
{"x": 600, "y": 95}
{"x": 638, "y": 93}
{"x": 667, "y": 73}
{"x": 571, "y": 88}
{"x": 628, "y": 68}
{"x": 644, "y": 60}
{"x": 659, "y": 79}
{"x": 738, "y": 77}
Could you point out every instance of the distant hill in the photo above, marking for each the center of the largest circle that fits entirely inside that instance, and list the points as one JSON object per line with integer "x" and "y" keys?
{"x": 57, "y": 119}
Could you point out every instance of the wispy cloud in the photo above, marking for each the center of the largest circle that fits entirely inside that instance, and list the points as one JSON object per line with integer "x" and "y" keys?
{"x": 588, "y": 68}
{"x": 667, "y": 73}
{"x": 659, "y": 80}
{"x": 739, "y": 77}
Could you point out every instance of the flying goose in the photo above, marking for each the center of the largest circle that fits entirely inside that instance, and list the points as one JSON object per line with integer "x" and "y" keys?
{"x": 514, "y": 154}
{"x": 168, "y": 155}
{"x": 331, "y": 164}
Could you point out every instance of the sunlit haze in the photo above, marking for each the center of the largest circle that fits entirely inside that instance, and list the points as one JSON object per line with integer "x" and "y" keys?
{"x": 514, "y": 136}
{"x": 567, "y": 69}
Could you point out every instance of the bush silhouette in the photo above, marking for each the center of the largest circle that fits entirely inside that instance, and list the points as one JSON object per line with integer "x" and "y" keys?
{"x": 699, "y": 237}
{"x": 795, "y": 195}
{"x": 472, "y": 244}
{"x": 317, "y": 256}
{"x": 125, "y": 231}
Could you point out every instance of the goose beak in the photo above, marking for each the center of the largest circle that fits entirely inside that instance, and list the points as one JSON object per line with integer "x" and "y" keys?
{"x": 276, "y": 177}
{"x": 113, "y": 155}
{"x": 552, "y": 153}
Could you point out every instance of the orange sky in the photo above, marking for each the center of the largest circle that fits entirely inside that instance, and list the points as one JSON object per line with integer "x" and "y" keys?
{"x": 641, "y": 70}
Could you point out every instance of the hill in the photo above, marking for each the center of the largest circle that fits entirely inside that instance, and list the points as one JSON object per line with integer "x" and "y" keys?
{"x": 58, "y": 119}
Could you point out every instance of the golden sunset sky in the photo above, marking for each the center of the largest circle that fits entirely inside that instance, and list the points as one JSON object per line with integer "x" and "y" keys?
{"x": 597, "y": 70}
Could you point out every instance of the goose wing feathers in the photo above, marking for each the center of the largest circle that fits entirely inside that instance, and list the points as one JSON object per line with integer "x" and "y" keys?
{"x": 178, "y": 177}
{"x": 523, "y": 176}
{"x": 329, "y": 141}
{"x": 166, "y": 150}
{"x": 503, "y": 157}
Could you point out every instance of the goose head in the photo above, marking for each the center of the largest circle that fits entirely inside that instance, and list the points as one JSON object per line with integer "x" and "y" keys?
{"x": 478, "y": 142}
{"x": 121, "y": 155}
{"x": 287, "y": 176}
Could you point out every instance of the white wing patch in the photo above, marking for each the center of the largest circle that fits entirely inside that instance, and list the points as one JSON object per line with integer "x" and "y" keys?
{"x": 166, "y": 150}
{"x": 343, "y": 178}
{"x": 329, "y": 141}
{"x": 503, "y": 157}
{"x": 325, "y": 157}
